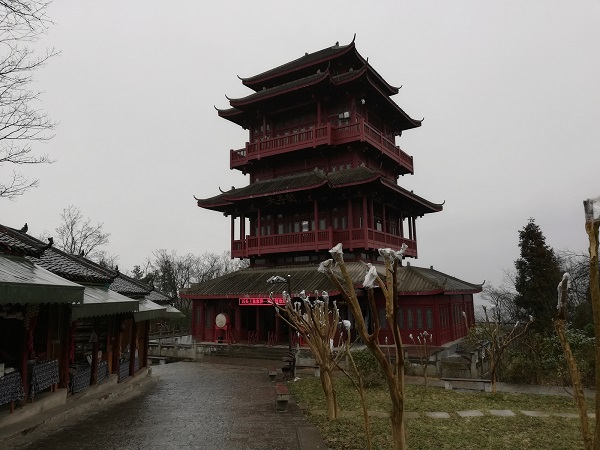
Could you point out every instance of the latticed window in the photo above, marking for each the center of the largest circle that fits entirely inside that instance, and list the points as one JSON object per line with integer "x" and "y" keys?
{"x": 419, "y": 319}
{"x": 429, "y": 318}
{"x": 409, "y": 319}
{"x": 401, "y": 318}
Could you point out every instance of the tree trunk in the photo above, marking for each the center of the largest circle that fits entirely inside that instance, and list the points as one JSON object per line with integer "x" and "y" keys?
{"x": 493, "y": 375}
{"x": 591, "y": 227}
{"x": 329, "y": 390}
{"x": 398, "y": 434}
{"x": 576, "y": 380}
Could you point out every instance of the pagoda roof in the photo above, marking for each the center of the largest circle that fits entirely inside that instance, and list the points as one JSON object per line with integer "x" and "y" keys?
{"x": 253, "y": 282}
{"x": 19, "y": 242}
{"x": 312, "y": 61}
{"x": 326, "y": 78}
{"x": 128, "y": 286}
{"x": 310, "y": 180}
{"x": 420, "y": 281}
{"x": 74, "y": 268}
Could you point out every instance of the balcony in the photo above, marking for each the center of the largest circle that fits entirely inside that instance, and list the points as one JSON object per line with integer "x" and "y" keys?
{"x": 319, "y": 240}
{"x": 313, "y": 136}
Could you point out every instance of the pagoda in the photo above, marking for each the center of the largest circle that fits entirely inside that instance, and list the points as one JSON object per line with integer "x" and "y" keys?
{"x": 323, "y": 165}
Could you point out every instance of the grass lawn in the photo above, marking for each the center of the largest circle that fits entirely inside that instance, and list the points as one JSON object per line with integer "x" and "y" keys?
{"x": 488, "y": 432}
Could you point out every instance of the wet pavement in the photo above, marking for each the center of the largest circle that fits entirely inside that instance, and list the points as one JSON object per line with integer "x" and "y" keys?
{"x": 195, "y": 405}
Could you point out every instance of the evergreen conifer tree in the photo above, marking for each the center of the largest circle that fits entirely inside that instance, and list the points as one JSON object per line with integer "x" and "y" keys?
{"x": 538, "y": 274}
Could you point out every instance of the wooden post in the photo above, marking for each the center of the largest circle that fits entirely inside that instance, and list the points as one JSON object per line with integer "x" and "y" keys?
{"x": 65, "y": 346}
{"x": 95, "y": 346}
{"x": 132, "y": 347}
{"x": 116, "y": 345}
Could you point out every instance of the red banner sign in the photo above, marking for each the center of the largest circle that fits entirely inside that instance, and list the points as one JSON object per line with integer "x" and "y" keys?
{"x": 261, "y": 301}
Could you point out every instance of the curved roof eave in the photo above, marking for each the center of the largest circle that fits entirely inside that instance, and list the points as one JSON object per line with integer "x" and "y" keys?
{"x": 307, "y": 60}
{"x": 413, "y": 122}
{"x": 285, "y": 88}
{"x": 435, "y": 207}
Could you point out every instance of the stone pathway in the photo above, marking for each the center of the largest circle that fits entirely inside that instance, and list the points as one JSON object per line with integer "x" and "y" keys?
{"x": 461, "y": 414}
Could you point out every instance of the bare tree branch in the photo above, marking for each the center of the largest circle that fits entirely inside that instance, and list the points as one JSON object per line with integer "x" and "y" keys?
{"x": 21, "y": 121}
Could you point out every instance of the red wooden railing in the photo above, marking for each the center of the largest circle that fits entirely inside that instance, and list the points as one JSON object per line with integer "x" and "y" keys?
{"x": 319, "y": 240}
{"x": 314, "y": 135}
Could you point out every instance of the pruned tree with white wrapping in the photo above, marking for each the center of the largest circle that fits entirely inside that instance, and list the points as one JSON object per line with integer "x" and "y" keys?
{"x": 317, "y": 322}
{"x": 393, "y": 371}
{"x": 592, "y": 224}
{"x": 561, "y": 331}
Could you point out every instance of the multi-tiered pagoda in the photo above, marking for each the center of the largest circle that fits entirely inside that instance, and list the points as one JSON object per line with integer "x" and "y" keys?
{"x": 323, "y": 166}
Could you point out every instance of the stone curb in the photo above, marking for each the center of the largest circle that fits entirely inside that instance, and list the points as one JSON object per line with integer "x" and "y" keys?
{"x": 126, "y": 391}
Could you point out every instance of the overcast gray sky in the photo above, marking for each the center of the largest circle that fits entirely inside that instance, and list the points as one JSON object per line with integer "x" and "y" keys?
{"x": 510, "y": 93}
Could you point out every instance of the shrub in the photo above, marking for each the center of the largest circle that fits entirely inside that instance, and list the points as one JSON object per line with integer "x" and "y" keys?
{"x": 368, "y": 368}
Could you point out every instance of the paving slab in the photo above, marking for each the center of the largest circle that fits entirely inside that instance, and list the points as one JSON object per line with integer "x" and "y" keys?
{"x": 502, "y": 412}
{"x": 566, "y": 415}
{"x": 470, "y": 413}
{"x": 535, "y": 413}
{"x": 411, "y": 415}
{"x": 437, "y": 415}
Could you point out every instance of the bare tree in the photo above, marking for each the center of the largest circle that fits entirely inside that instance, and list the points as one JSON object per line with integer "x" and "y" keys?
{"x": 393, "y": 372}
{"x": 170, "y": 272}
{"x": 592, "y": 225}
{"x": 495, "y": 335}
{"x": 22, "y": 22}
{"x": 560, "y": 326}
{"x": 317, "y": 323}
{"x": 79, "y": 236}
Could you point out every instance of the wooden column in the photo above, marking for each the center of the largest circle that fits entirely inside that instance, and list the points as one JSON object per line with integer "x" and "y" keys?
{"x": 146, "y": 344}
{"x": 316, "y": 216}
{"x": 109, "y": 336}
{"x": 232, "y": 220}
{"x": 132, "y": 347}
{"x": 401, "y": 225}
{"x": 24, "y": 359}
{"x": 384, "y": 219}
{"x": 95, "y": 346}
{"x": 65, "y": 334}
{"x": 415, "y": 228}
{"x": 238, "y": 322}
{"x": 364, "y": 222}
{"x": 258, "y": 231}
{"x": 116, "y": 345}
{"x": 257, "y": 322}
{"x": 202, "y": 320}
{"x": 350, "y": 223}
{"x": 243, "y": 242}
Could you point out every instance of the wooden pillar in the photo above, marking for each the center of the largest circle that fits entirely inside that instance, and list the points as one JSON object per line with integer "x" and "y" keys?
{"x": 316, "y": 218}
{"x": 232, "y": 232}
{"x": 365, "y": 227}
{"x": 24, "y": 359}
{"x": 258, "y": 230}
{"x": 350, "y": 215}
{"x": 371, "y": 214}
{"x": 414, "y": 229}
{"x": 277, "y": 327}
{"x": 318, "y": 112}
{"x": 257, "y": 322}
{"x": 384, "y": 219}
{"x": 95, "y": 346}
{"x": 116, "y": 345}
{"x": 145, "y": 344}
{"x": 202, "y": 320}
{"x": 401, "y": 225}
{"x": 110, "y": 325}
{"x": 64, "y": 333}
{"x": 132, "y": 347}
{"x": 243, "y": 242}
{"x": 238, "y": 322}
